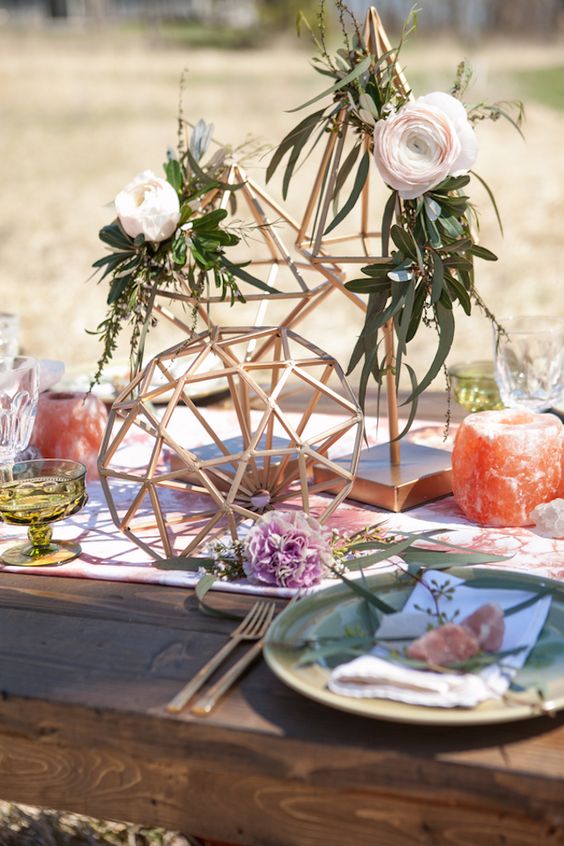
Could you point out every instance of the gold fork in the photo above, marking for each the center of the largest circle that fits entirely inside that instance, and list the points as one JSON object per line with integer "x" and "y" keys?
{"x": 253, "y": 627}
{"x": 207, "y": 702}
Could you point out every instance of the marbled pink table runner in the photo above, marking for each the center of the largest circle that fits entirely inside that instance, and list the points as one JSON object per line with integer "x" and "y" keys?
{"x": 107, "y": 554}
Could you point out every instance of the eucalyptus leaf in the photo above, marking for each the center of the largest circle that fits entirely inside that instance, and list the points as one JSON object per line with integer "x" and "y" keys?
{"x": 450, "y": 226}
{"x": 346, "y": 167}
{"x": 190, "y": 564}
{"x": 115, "y": 236}
{"x": 359, "y": 183}
{"x": 445, "y": 321}
{"x": 306, "y": 126}
{"x": 366, "y": 594}
{"x": 438, "y": 276}
{"x": 432, "y": 208}
{"x": 205, "y": 583}
{"x": 482, "y": 252}
{"x": 343, "y": 647}
{"x": 238, "y": 271}
{"x": 117, "y": 288}
{"x": 400, "y": 275}
{"x": 404, "y": 241}
{"x": 439, "y": 560}
{"x": 357, "y": 71}
{"x": 492, "y": 199}
{"x": 174, "y": 174}
{"x": 387, "y": 218}
{"x": 412, "y": 405}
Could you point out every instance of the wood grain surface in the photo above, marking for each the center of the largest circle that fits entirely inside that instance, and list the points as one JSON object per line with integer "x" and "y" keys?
{"x": 86, "y": 668}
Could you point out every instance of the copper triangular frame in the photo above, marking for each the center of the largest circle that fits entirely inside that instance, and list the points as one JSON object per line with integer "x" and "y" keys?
{"x": 264, "y": 211}
{"x": 311, "y": 243}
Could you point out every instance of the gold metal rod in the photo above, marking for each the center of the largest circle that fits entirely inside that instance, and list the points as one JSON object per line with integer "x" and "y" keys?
{"x": 391, "y": 392}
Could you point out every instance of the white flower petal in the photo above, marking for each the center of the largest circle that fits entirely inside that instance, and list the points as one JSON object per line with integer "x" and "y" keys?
{"x": 423, "y": 143}
{"x": 148, "y": 205}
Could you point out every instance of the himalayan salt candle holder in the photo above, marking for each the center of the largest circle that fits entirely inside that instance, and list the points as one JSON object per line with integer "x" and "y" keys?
{"x": 505, "y": 463}
{"x": 70, "y": 425}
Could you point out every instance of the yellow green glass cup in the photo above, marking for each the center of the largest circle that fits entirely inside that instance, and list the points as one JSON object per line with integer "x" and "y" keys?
{"x": 36, "y": 494}
{"x": 474, "y": 386}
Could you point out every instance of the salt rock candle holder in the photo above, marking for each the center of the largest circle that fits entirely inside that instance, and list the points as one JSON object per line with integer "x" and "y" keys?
{"x": 505, "y": 464}
{"x": 176, "y": 475}
{"x": 70, "y": 425}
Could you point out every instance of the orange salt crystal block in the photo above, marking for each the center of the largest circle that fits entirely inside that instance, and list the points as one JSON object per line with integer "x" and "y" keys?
{"x": 70, "y": 425}
{"x": 505, "y": 463}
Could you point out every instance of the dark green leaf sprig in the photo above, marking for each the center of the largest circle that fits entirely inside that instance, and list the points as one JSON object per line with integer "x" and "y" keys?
{"x": 195, "y": 256}
{"x": 428, "y": 244}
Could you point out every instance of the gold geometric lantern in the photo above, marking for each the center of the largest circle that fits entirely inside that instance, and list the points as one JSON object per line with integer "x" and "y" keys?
{"x": 365, "y": 245}
{"x": 387, "y": 477}
{"x": 176, "y": 474}
{"x": 268, "y": 245}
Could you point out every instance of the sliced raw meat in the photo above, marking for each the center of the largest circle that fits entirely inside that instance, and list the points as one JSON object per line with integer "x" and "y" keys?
{"x": 487, "y": 625}
{"x": 445, "y": 645}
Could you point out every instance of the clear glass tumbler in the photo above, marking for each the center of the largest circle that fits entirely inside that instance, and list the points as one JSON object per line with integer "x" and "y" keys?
{"x": 529, "y": 362}
{"x": 19, "y": 383}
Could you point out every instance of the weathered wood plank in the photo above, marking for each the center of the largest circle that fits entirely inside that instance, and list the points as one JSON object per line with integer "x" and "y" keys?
{"x": 254, "y": 791}
{"x": 85, "y": 670}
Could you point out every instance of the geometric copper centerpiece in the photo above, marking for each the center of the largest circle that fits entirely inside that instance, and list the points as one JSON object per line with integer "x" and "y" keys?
{"x": 363, "y": 246}
{"x": 385, "y": 478}
{"x": 268, "y": 248}
{"x": 197, "y": 472}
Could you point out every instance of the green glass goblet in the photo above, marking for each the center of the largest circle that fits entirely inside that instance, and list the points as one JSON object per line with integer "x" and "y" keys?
{"x": 36, "y": 494}
{"x": 474, "y": 386}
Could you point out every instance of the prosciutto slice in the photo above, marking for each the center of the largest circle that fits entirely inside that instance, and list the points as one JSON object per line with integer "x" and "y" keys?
{"x": 487, "y": 625}
{"x": 452, "y": 643}
{"x": 444, "y": 645}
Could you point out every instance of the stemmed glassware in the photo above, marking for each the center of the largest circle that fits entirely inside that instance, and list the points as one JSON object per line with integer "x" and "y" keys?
{"x": 529, "y": 362}
{"x": 36, "y": 494}
{"x": 19, "y": 381}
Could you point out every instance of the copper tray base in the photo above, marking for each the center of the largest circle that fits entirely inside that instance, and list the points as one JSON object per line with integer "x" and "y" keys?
{"x": 424, "y": 474}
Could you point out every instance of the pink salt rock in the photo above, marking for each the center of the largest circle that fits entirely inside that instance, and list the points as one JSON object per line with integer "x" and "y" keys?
{"x": 549, "y": 518}
{"x": 487, "y": 624}
{"x": 70, "y": 425}
{"x": 444, "y": 645}
{"x": 505, "y": 463}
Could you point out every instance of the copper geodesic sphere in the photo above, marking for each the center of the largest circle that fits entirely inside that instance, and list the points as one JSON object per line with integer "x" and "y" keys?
{"x": 176, "y": 474}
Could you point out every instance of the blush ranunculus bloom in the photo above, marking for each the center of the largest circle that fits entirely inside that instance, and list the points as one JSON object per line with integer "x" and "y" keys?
{"x": 148, "y": 206}
{"x": 423, "y": 143}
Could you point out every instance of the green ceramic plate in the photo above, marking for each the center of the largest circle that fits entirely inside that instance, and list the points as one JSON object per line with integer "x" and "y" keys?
{"x": 332, "y": 611}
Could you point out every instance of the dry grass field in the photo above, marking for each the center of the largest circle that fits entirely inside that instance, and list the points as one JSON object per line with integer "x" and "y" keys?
{"x": 82, "y": 113}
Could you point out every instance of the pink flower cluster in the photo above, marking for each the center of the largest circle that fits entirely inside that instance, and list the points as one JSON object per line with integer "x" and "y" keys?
{"x": 287, "y": 549}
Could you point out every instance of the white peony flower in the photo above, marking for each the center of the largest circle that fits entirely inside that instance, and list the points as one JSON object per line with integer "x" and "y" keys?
{"x": 148, "y": 205}
{"x": 423, "y": 143}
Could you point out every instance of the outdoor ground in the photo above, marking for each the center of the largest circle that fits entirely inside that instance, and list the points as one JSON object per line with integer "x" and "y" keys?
{"x": 82, "y": 113}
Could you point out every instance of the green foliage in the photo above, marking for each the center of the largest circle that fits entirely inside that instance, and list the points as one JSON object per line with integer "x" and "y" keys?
{"x": 193, "y": 259}
{"x": 428, "y": 243}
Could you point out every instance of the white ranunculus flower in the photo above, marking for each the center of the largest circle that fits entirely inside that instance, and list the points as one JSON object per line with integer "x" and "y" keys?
{"x": 423, "y": 143}
{"x": 149, "y": 206}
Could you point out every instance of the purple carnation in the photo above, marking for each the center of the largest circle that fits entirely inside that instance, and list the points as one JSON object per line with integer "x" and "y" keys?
{"x": 287, "y": 549}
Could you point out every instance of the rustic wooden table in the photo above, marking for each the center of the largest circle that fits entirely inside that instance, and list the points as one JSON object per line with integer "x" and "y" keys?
{"x": 87, "y": 666}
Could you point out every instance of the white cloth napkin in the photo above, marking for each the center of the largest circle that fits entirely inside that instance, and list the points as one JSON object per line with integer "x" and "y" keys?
{"x": 374, "y": 677}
